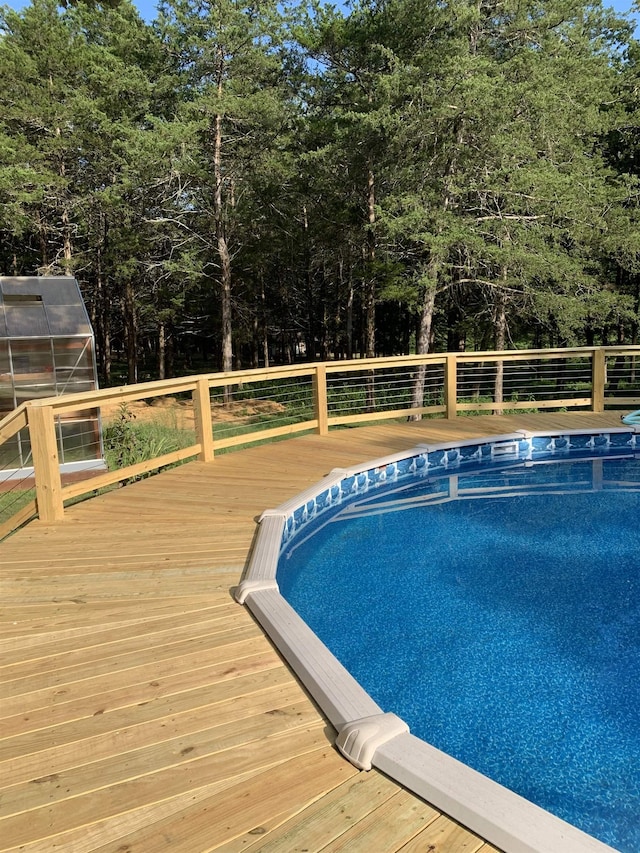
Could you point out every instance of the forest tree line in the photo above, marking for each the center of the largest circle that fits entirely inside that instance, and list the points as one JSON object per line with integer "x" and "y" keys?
{"x": 245, "y": 183}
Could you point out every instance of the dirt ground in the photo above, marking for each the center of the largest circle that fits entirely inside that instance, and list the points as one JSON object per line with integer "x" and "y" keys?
{"x": 179, "y": 413}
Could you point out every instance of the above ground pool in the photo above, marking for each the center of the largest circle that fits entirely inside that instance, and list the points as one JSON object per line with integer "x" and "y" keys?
{"x": 485, "y": 597}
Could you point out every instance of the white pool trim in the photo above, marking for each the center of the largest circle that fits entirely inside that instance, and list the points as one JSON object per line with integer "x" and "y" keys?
{"x": 367, "y": 735}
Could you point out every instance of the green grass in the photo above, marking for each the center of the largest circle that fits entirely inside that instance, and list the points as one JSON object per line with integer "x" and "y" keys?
{"x": 12, "y": 501}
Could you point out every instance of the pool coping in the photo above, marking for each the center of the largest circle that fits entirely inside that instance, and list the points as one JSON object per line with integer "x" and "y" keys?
{"x": 367, "y": 736}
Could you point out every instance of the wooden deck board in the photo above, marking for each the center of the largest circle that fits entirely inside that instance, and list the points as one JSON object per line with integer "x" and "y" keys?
{"x": 250, "y": 807}
{"x": 125, "y": 730}
{"x": 105, "y": 642}
{"x": 143, "y": 710}
{"x": 325, "y": 820}
{"x": 250, "y": 675}
{"x": 163, "y": 672}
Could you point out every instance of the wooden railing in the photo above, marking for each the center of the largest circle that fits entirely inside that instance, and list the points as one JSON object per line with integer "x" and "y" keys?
{"x": 325, "y": 395}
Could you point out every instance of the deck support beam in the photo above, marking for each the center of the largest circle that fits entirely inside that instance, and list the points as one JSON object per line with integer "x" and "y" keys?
{"x": 44, "y": 450}
{"x": 320, "y": 399}
{"x": 203, "y": 422}
{"x": 598, "y": 380}
{"x": 451, "y": 385}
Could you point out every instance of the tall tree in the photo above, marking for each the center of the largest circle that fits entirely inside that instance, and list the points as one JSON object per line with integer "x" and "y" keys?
{"x": 490, "y": 194}
{"x": 352, "y": 111}
{"x": 119, "y": 167}
{"x": 41, "y": 84}
{"x": 225, "y": 59}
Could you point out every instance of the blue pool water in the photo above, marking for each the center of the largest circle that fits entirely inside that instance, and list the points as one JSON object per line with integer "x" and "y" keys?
{"x": 503, "y": 626}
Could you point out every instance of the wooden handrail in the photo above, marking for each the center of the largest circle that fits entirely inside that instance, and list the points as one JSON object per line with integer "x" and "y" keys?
{"x": 38, "y": 416}
{"x": 13, "y": 423}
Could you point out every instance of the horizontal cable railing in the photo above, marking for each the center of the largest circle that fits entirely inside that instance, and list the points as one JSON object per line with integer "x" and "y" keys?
{"x": 622, "y": 376}
{"x": 17, "y": 492}
{"x": 357, "y": 395}
{"x": 273, "y": 407}
{"x": 541, "y": 383}
{"x": 57, "y": 449}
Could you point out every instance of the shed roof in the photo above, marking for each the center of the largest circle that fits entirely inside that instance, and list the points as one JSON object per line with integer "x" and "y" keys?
{"x": 42, "y": 307}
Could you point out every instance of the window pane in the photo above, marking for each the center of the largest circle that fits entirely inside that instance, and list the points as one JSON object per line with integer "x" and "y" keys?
{"x": 59, "y": 290}
{"x": 6, "y": 382}
{"x": 67, "y": 320}
{"x": 74, "y": 365}
{"x": 32, "y": 363}
{"x": 72, "y": 353}
{"x": 25, "y": 318}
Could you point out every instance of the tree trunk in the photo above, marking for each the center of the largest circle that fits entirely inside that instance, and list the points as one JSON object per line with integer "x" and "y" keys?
{"x": 131, "y": 333}
{"x": 106, "y": 346}
{"x": 44, "y": 246}
{"x": 370, "y": 284}
{"x": 310, "y": 325}
{"x": 424, "y": 336}
{"x": 103, "y": 308}
{"x": 370, "y": 291}
{"x": 162, "y": 349}
{"x": 224, "y": 255}
{"x": 171, "y": 352}
{"x": 225, "y": 307}
{"x": 102, "y": 323}
{"x": 500, "y": 331}
{"x": 66, "y": 228}
{"x": 263, "y": 322}
{"x": 349, "y": 317}
{"x": 324, "y": 330}
{"x": 66, "y": 241}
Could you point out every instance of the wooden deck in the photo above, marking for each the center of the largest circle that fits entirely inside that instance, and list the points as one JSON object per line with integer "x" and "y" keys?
{"x": 144, "y": 711}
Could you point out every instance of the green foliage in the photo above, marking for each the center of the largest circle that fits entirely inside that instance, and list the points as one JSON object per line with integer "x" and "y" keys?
{"x": 122, "y": 445}
{"x": 128, "y": 443}
{"x": 242, "y": 183}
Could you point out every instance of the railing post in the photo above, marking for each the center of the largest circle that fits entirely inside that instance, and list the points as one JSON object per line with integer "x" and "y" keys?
{"x": 320, "y": 399}
{"x": 203, "y": 423}
{"x": 46, "y": 466}
{"x": 451, "y": 385}
{"x": 598, "y": 379}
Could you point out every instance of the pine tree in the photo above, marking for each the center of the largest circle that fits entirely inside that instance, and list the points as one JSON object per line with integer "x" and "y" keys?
{"x": 40, "y": 87}
{"x": 229, "y": 76}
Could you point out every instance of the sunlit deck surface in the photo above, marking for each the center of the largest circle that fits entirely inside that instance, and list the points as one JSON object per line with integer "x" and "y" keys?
{"x": 144, "y": 710}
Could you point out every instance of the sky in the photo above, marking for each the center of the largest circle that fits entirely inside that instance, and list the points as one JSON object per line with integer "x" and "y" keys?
{"x": 147, "y": 8}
